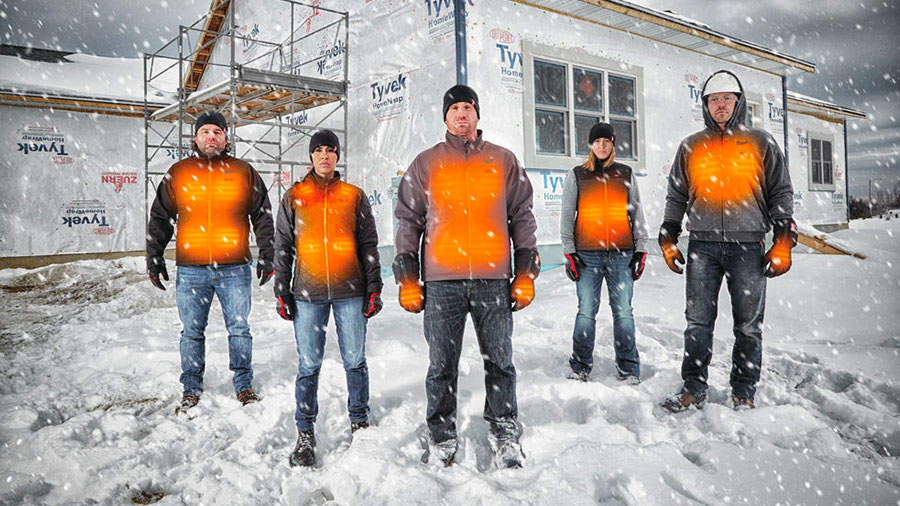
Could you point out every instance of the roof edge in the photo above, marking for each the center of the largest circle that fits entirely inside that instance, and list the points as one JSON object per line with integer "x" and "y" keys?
{"x": 822, "y": 105}
{"x": 660, "y": 18}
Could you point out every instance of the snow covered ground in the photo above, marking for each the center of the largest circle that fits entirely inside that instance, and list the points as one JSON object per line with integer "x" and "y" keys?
{"x": 90, "y": 379}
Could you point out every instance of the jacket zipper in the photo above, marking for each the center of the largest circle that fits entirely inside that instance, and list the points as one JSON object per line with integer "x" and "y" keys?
{"x": 722, "y": 166}
{"x": 468, "y": 198}
{"x": 325, "y": 238}
{"x": 209, "y": 197}
{"x": 606, "y": 210}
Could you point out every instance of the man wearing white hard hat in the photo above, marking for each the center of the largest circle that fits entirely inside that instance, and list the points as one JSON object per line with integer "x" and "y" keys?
{"x": 732, "y": 183}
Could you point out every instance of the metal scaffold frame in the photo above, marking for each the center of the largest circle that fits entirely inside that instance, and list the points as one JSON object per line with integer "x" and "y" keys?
{"x": 249, "y": 96}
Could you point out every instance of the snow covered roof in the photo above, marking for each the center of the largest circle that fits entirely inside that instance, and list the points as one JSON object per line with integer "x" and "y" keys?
{"x": 676, "y": 30}
{"x": 803, "y": 103}
{"x": 77, "y": 82}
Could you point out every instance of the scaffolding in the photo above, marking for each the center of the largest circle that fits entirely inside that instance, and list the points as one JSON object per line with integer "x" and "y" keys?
{"x": 257, "y": 95}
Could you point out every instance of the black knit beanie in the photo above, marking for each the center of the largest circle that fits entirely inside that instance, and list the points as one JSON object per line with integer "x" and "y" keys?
{"x": 461, "y": 93}
{"x": 324, "y": 138}
{"x": 211, "y": 118}
{"x": 601, "y": 130}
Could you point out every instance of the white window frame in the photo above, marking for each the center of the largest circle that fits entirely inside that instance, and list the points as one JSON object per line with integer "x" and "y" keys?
{"x": 569, "y": 58}
{"x": 754, "y": 101}
{"x": 821, "y": 137}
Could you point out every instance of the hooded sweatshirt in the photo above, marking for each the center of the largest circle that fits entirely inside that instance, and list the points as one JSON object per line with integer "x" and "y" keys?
{"x": 732, "y": 183}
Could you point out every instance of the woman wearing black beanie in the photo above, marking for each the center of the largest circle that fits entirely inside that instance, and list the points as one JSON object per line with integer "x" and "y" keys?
{"x": 604, "y": 236}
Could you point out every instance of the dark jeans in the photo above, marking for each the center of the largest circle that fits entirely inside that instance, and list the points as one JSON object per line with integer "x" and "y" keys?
{"x": 613, "y": 266}
{"x": 310, "y": 322}
{"x": 195, "y": 286}
{"x": 741, "y": 265}
{"x": 446, "y": 306}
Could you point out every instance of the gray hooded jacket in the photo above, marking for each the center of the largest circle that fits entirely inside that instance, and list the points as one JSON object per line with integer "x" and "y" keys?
{"x": 732, "y": 183}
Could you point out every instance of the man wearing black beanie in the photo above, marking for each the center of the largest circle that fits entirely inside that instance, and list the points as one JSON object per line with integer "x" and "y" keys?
{"x": 210, "y": 197}
{"x": 469, "y": 198}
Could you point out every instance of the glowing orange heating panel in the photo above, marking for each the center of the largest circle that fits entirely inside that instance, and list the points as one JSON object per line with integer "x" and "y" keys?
{"x": 325, "y": 221}
{"x": 602, "y": 221}
{"x": 724, "y": 173}
{"x": 469, "y": 232}
{"x": 212, "y": 201}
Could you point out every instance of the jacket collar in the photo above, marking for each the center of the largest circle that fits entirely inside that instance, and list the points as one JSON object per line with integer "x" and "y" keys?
{"x": 462, "y": 144}
{"x": 315, "y": 178}
{"x": 221, "y": 157}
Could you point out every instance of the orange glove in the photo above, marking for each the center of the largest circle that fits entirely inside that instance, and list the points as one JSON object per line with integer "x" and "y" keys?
{"x": 668, "y": 238}
{"x": 778, "y": 258}
{"x": 672, "y": 254}
{"x": 521, "y": 291}
{"x": 406, "y": 272}
{"x": 412, "y": 298}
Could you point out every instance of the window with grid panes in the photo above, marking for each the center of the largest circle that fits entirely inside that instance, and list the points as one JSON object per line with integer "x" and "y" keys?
{"x": 570, "y": 98}
{"x": 821, "y": 171}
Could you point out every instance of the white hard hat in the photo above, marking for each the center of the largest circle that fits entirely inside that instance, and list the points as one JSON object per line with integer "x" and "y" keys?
{"x": 721, "y": 82}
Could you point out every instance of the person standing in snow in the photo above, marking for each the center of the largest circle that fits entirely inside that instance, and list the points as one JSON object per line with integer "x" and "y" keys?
{"x": 732, "y": 182}
{"x": 604, "y": 235}
{"x": 212, "y": 198}
{"x": 325, "y": 239}
{"x": 469, "y": 198}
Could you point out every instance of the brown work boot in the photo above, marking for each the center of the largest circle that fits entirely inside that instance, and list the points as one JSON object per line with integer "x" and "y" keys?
{"x": 247, "y": 396}
{"x": 187, "y": 402}
{"x": 684, "y": 400}
{"x": 741, "y": 403}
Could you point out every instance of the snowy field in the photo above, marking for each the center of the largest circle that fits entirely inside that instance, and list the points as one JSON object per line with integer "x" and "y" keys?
{"x": 90, "y": 380}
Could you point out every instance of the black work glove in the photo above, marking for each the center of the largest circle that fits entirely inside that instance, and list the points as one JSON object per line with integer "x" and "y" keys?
{"x": 637, "y": 264}
{"x": 668, "y": 238}
{"x": 264, "y": 271}
{"x": 574, "y": 266}
{"x": 372, "y": 304}
{"x": 156, "y": 270}
{"x": 285, "y": 306}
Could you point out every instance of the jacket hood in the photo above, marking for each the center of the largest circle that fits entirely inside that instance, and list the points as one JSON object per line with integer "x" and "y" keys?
{"x": 740, "y": 107}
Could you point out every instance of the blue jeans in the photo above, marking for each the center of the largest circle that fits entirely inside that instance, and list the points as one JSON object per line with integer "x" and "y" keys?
{"x": 446, "y": 305}
{"x": 741, "y": 265}
{"x": 612, "y": 265}
{"x": 310, "y": 322}
{"x": 194, "y": 290}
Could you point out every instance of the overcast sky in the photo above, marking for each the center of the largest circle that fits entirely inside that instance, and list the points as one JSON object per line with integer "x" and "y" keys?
{"x": 855, "y": 45}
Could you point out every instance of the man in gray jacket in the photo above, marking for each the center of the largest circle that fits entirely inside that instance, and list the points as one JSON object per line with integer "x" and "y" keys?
{"x": 732, "y": 182}
{"x": 469, "y": 198}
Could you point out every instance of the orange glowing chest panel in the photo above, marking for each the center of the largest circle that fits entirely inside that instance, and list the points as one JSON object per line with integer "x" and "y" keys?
{"x": 212, "y": 202}
{"x": 602, "y": 220}
{"x": 468, "y": 230}
{"x": 325, "y": 224}
{"x": 724, "y": 173}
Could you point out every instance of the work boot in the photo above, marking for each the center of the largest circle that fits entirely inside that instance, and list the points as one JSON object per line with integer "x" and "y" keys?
{"x": 304, "y": 453}
{"x": 247, "y": 396}
{"x": 578, "y": 376}
{"x": 684, "y": 400}
{"x": 187, "y": 402}
{"x": 742, "y": 403}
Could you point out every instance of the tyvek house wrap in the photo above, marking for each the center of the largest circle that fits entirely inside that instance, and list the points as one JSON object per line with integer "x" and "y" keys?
{"x": 401, "y": 60}
{"x": 504, "y": 37}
